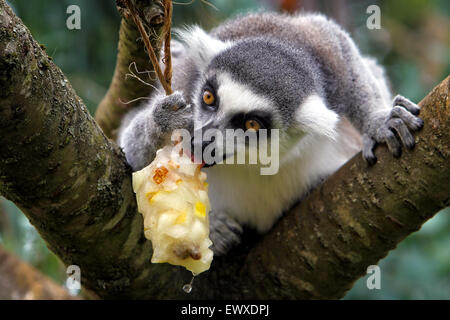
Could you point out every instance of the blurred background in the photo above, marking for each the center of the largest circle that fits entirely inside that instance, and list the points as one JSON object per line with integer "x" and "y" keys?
{"x": 413, "y": 44}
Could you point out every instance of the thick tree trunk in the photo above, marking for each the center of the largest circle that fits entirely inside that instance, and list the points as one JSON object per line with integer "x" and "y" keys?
{"x": 61, "y": 170}
{"x": 20, "y": 281}
{"x": 75, "y": 187}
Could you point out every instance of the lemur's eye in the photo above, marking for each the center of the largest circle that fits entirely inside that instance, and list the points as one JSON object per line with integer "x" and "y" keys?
{"x": 208, "y": 98}
{"x": 252, "y": 124}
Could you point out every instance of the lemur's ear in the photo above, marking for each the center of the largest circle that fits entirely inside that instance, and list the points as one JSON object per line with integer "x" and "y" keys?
{"x": 200, "y": 46}
{"x": 314, "y": 117}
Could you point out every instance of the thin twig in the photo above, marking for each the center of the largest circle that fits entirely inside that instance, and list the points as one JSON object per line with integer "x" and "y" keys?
{"x": 167, "y": 37}
{"x": 151, "y": 53}
{"x": 135, "y": 76}
{"x": 192, "y": 1}
{"x": 134, "y": 100}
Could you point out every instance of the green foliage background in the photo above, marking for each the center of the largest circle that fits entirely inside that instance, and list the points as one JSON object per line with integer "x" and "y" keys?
{"x": 413, "y": 44}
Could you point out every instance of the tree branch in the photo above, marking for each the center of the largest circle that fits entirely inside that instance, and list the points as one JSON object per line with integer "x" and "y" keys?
{"x": 61, "y": 170}
{"x": 75, "y": 187}
{"x": 131, "y": 49}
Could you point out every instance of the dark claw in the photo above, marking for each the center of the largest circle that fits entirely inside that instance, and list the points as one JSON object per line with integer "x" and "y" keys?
{"x": 368, "y": 150}
{"x": 371, "y": 160}
{"x": 421, "y": 123}
{"x": 402, "y": 132}
{"x": 397, "y": 152}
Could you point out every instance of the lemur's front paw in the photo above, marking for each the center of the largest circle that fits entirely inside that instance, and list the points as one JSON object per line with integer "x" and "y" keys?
{"x": 225, "y": 232}
{"x": 172, "y": 112}
{"x": 392, "y": 127}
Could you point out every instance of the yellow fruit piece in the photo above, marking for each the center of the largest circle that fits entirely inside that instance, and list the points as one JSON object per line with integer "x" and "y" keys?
{"x": 172, "y": 196}
{"x": 150, "y": 195}
{"x": 200, "y": 209}
{"x": 181, "y": 218}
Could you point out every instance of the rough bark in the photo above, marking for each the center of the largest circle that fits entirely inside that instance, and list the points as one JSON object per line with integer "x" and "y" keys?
{"x": 20, "y": 281}
{"x": 61, "y": 170}
{"x": 75, "y": 187}
{"x": 130, "y": 49}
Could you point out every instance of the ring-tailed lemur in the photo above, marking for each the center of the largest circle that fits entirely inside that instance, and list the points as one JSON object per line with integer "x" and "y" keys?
{"x": 301, "y": 74}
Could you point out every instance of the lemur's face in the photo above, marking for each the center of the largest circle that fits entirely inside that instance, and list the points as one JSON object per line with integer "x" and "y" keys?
{"x": 241, "y": 90}
{"x": 228, "y": 107}
{"x": 255, "y": 85}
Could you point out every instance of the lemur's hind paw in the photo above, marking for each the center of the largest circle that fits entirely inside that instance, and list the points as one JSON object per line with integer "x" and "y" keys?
{"x": 172, "y": 112}
{"x": 393, "y": 127}
{"x": 225, "y": 232}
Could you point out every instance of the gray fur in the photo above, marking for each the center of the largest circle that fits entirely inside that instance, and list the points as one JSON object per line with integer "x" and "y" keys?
{"x": 225, "y": 232}
{"x": 252, "y": 62}
{"x": 286, "y": 60}
{"x": 149, "y": 128}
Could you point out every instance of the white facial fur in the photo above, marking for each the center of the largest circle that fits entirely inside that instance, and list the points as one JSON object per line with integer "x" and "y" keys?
{"x": 236, "y": 98}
